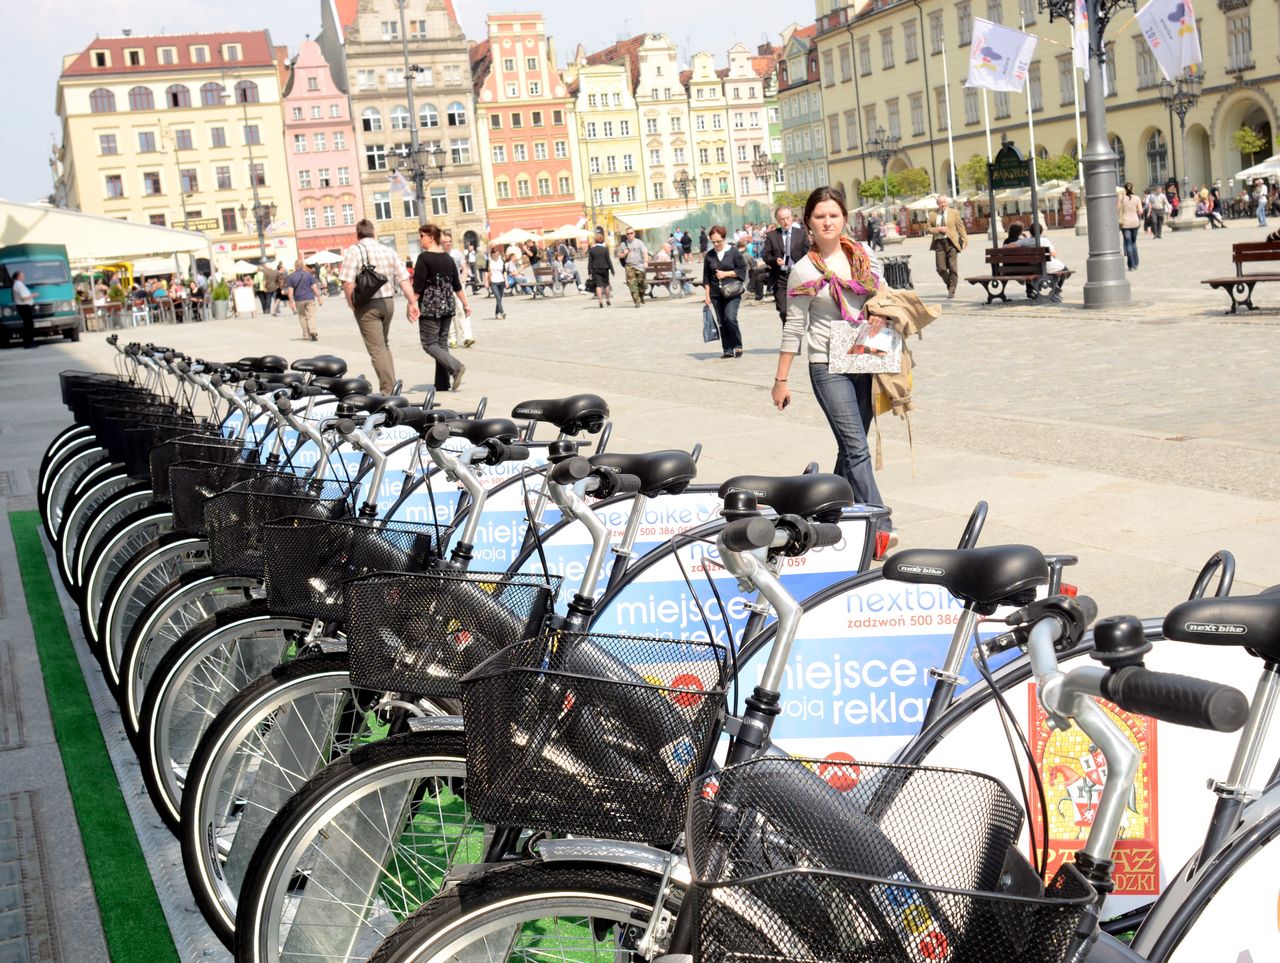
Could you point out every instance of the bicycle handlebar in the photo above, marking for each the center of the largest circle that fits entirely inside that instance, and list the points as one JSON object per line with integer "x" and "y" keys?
{"x": 1177, "y": 699}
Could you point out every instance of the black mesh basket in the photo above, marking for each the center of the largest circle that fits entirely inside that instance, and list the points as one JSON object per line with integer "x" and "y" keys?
{"x": 307, "y": 560}
{"x": 193, "y": 483}
{"x": 234, "y": 519}
{"x": 592, "y": 734}
{"x": 84, "y": 402}
{"x": 143, "y": 435}
{"x": 192, "y": 446}
{"x": 419, "y": 633}
{"x": 71, "y": 382}
{"x": 816, "y": 860}
{"x": 110, "y": 420}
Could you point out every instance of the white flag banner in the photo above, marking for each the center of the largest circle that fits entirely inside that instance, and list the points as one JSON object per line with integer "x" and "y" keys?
{"x": 398, "y": 183}
{"x": 1080, "y": 38}
{"x": 1170, "y": 29}
{"x": 999, "y": 57}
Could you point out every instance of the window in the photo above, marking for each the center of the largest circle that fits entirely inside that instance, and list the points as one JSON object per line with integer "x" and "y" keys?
{"x": 452, "y": 74}
{"x": 322, "y": 177}
{"x": 970, "y": 105}
{"x": 995, "y": 11}
{"x": 717, "y": 121}
{"x": 1146, "y": 64}
{"x": 457, "y": 114}
{"x": 651, "y": 125}
{"x": 724, "y": 185}
{"x": 231, "y": 52}
{"x": 544, "y": 185}
{"x": 910, "y": 51}
{"x": 390, "y": 30}
{"x": 394, "y": 77}
{"x": 318, "y": 141}
{"x": 348, "y": 214}
{"x": 366, "y": 79}
{"x": 428, "y": 116}
{"x": 846, "y": 63}
{"x": 102, "y": 101}
{"x": 720, "y": 155}
{"x": 940, "y": 106}
{"x": 700, "y": 122}
{"x": 936, "y": 40}
{"x": 382, "y": 206}
{"x": 509, "y": 64}
{"x": 964, "y": 22}
{"x": 151, "y": 182}
{"x": 530, "y": 63}
{"x": 1111, "y": 70}
{"x": 886, "y": 47}
{"x": 593, "y": 165}
{"x": 335, "y": 110}
{"x": 146, "y": 142}
{"x": 597, "y": 196}
{"x": 624, "y": 128}
{"x": 535, "y": 118}
{"x": 115, "y": 185}
{"x": 229, "y": 220}
{"x": 344, "y": 176}
{"x": 739, "y": 121}
{"x": 499, "y": 153}
{"x": 102, "y": 58}
{"x": 1239, "y": 40}
{"x": 519, "y": 152}
{"x": 466, "y": 203}
{"x": 1002, "y": 104}
{"x": 1157, "y": 158}
{"x": 828, "y": 70}
{"x": 1027, "y": 10}
{"x": 495, "y": 122}
{"x": 504, "y": 189}
{"x": 753, "y": 118}
{"x": 439, "y": 201}
{"x": 401, "y": 119}
{"x": 742, "y": 152}
{"x": 299, "y": 143}
{"x": 833, "y": 132}
{"x": 107, "y": 144}
{"x": 522, "y": 187}
{"x": 706, "y": 185}
{"x": 222, "y": 174}
{"x": 258, "y": 174}
{"x": 704, "y": 155}
{"x": 917, "y": 114}
{"x": 864, "y": 56}
{"x": 677, "y": 124}
{"x": 199, "y": 54}
{"x": 561, "y": 149}
{"x": 540, "y": 150}
{"x": 339, "y": 140}
{"x": 409, "y": 205}
{"x": 611, "y": 164}
{"x": 309, "y": 218}
{"x": 870, "y": 117}
{"x": 1067, "y": 77}
{"x": 375, "y": 157}
{"x": 1034, "y": 85}
{"x": 1117, "y": 145}
{"x": 330, "y": 217}
{"x": 178, "y": 95}
{"x": 460, "y": 150}
{"x": 678, "y": 155}
{"x": 133, "y": 58}
{"x": 631, "y": 193}
{"x": 189, "y": 180}
{"x": 535, "y": 88}
{"x": 745, "y": 184}
{"x": 313, "y": 83}
{"x": 251, "y": 135}
{"x": 140, "y": 98}
{"x": 212, "y": 95}
{"x": 156, "y": 219}
{"x": 304, "y": 179}
{"x": 608, "y": 128}
{"x": 615, "y": 195}
{"x": 246, "y": 92}
{"x": 297, "y": 113}
{"x": 564, "y": 184}
{"x": 895, "y": 122}
{"x": 371, "y": 119}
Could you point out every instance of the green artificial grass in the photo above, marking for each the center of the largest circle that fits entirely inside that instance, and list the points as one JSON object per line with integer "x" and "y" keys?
{"x": 132, "y": 919}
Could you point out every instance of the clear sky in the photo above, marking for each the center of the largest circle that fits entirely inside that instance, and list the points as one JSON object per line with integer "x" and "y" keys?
{"x": 36, "y": 43}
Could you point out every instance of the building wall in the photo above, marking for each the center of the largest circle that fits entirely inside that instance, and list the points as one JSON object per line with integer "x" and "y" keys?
{"x": 748, "y": 127}
{"x": 709, "y": 113}
{"x": 543, "y": 190}
{"x": 323, "y": 164}
{"x": 663, "y": 107}
{"x": 610, "y": 142}
{"x": 803, "y": 127}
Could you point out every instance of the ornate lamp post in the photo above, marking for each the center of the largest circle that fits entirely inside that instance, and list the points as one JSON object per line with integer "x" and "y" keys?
{"x": 884, "y": 145}
{"x": 764, "y": 167}
{"x": 425, "y": 164}
{"x": 263, "y": 215}
{"x": 1181, "y": 97}
{"x": 1106, "y": 283}
{"x": 683, "y": 185}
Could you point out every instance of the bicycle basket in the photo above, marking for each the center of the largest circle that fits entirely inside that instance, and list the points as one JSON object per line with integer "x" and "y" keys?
{"x": 83, "y": 401}
{"x": 141, "y": 436}
{"x": 71, "y": 381}
{"x": 191, "y": 446}
{"x": 418, "y": 634}
{"x": 592, "y": 734}
{"x": 193, "y": 483}
{"x": 109, "y": 423}
{"x": 808, "y": 860}
{"x": 307, "y": 560}
{"x": 235, "y": 518}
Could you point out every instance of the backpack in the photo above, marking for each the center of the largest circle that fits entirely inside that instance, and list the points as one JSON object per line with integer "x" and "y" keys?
{"x": 368, "y": 281}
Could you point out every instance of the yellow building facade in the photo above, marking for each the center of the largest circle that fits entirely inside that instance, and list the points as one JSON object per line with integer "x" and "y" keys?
{"x": 882, "y": 64}
{"x": 709, "y": 112}
{"x": 179, "y": 130}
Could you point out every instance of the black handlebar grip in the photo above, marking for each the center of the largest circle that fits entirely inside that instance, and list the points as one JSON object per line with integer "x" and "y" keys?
{"x": 1088, "y": 609}
{"x": 624, "y": 484}
{"x": 826, "y": 534}
{"x": 284, "y": 406}
{"x": 437, "y": 435}
{"x": 408, "y": 417}
{"x": 747, "y": 534}
{"x": 306, "y": 391}
{"x": 515, "y": 453}
{"x": 345, "y": 426}
{"x": 569, "y": 471}
{"x": 1177, "y": 699}
{"x": 251, "y": 386}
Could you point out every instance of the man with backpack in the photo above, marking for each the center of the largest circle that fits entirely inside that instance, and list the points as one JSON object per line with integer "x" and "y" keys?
{"x": 369, "y": 274}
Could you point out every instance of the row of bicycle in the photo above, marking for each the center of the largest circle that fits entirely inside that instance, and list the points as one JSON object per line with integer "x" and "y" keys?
{"x": 370, "y": 750}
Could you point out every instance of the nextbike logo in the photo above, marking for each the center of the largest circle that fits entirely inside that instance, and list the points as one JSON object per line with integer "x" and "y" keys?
{"x": 1218, "y": 628}
{"x": 921, "y": 570}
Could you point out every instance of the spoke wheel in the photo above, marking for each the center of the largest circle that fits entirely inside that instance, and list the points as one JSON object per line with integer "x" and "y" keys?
{"x": 111, "y": 558}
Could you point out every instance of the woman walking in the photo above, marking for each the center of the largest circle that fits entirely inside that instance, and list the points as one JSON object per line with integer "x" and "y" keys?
{"x": 827, "y": 287}
{"x": 1130, "y": 209}
{"x": 497, "y": 272}
{"x": 438, "y": 285}
{"x": 724, "y": 278}
{"x": 600, "y": 268}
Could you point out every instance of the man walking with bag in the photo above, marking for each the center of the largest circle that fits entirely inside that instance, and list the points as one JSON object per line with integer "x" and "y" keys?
{"x": 782, "y": 248}
{"x": 635, "y": 258}
{"x": 301, "y": 291}
{"x": 369, "y": 274}
{"x": 949, "y": 239}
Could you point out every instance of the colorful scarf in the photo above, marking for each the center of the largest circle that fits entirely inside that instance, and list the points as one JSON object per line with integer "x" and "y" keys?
{"x": 863, "y": 282}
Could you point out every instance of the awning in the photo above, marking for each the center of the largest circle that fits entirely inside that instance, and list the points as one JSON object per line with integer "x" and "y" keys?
{"x": 649, "y": 220}
{"x": 91, "y": 239}
{"x": 1268, "y": 168}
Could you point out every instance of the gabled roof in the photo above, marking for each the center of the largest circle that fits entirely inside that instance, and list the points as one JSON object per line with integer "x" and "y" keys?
{"x": 807, "y": 32}
{"x": 628, "y": 50}
{"x": 481, "y": 61}
{"x": 347, "y": 10}
{"x": 255, "y": 51}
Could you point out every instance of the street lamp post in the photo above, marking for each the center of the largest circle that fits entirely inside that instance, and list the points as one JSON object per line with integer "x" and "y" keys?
{"x": 884, "y": 145}
{"x": 1106, "y": 284}
{"x": 422, "y": 173}
{"x": 764, "y": 167}
{"x": 1181, "y": 97}
{"x": 263, "y": 215}
{"x": 683, "y": 185}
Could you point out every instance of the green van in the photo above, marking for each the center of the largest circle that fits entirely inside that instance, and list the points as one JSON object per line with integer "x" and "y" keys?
{"x": 47, "y": 273}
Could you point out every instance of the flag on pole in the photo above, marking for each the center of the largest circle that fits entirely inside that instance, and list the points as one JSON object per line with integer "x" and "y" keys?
{"x": 999, "y": 57}
{"x": 1170, "y": 29}
{"x": 398, "y": 183}
{"x": 1080, "y": 38}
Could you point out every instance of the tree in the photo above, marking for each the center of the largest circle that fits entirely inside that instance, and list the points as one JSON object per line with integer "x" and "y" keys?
{"x": 873, "y": 188}
{"x": 792, "y": 199}
{"x": 1249, "y": 141}
{"x": 973, "y": 173}
{"x": 1059, "y": 168}
{"x": 913, "y": 182}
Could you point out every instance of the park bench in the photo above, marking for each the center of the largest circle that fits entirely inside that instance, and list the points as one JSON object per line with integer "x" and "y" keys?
{"x": 547, "y": 278}
{"x": 1240, "y": 286}
{"x": 665, "y": 276}
{"x": 1024, "y": 265}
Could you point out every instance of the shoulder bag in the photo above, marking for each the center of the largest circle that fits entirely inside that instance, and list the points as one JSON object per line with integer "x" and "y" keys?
{"x": 368, "y": 281}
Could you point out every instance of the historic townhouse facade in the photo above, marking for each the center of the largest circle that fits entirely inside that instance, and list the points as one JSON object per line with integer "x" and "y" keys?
{"x": 708, "y": 110}
{"x": 800, "y": 104}
{"x": 323, "y": 163}
{"x": 179, "y": 130}
{"x": 663, "y": 108}
{"x": 748, "y": 125}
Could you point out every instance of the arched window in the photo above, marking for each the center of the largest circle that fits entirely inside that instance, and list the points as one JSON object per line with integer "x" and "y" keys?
{"x": 1117, "y": 145}
{"x": 246, "y": 92}
{"x": 428, "y": 116}
{"x": 371, "y": 119}
{"x": 178, "y": 95}
{"x": 140, "y": 98}
{"x": 102, "y": 101}
{"x": 1157, "y": 158}
{"x": 212, "y": 94}
{"x": 400, "y": 118}
{"x": 457, "y": 114}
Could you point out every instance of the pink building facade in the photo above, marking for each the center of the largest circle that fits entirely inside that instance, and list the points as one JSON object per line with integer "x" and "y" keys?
{"x": 324, "y": 172}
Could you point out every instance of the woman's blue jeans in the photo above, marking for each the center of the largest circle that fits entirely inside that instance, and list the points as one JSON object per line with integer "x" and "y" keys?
{"x": 1130, "y": 246}
{"x": 497, "y": 288}
{"x": 846, "y": 401}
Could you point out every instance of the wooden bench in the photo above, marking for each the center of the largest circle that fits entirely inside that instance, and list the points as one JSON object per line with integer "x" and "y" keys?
{"x": 1025, "y": 265}
{"x": 1240, "y": 287}
{"x": 664, "y": 276}
{"x": 547, "y": 278}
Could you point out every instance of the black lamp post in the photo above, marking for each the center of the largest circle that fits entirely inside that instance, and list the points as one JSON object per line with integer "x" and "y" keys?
{"x": 425, "y": 164}
{"x": 1181, "y": 97}
{"x": 683, "y": 184}
{"x": 884, "y": 145}
{"x": 263, "y": 215}
{"x": 764, "y": 167}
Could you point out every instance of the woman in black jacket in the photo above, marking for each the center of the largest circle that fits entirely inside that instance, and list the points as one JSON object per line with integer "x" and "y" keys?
{"x": 723, "y": 264}
{"x": 600, "y": 268}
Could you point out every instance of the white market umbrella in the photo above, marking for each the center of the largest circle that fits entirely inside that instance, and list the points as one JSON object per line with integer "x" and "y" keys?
{"x": 516, "y": 235}
{"x": 567, "y": 232}
{"x": 1268, "y": 168}
{"x": 325, "y": 257}
{"x": 244, "y": 267}
{"x": 926, "y": 203}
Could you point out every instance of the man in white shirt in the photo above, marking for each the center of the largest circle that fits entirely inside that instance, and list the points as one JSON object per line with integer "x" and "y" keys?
{"x": 24, "y": 300}
{"x": 374, "y": 315}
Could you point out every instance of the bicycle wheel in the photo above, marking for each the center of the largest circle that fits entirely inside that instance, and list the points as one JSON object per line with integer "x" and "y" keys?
{"x": 193, "y": 598}
{"x": 361, "y": 846}
{"x": 193, "y": 681}
{"x": 272, "y": 737}
{"x": 111, "y": 556}
{"x": 137, "y": 586}
{"x": 530, "y": 911}
{"x": 80, "y": 511}
{"x": 65, "y": 478}
{"x": 109, "y": 515}
{"x": 61, "y": 443}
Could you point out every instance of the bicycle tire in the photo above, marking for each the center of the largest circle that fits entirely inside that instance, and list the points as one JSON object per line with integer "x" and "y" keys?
{"x": 64, "y": 480}
{"x": 581, "y": 896}
{"x": 225, "y": 782}
{"x": 205, "y": 668}
{"x": 109, "y": 515}
{"x": 53, "y": 462}
{"x": 292, "y": 877}
{"x": 58, "y": 445}
{"x": 132, "y": 536}
{"x": 80, "y": 515}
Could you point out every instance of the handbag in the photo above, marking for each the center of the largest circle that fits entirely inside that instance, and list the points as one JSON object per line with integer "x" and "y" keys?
{"x": 710, "y": 330}
{"x": 368, "y": 281}
{"x": 590, "y": 283}
{"x": 731, "y": 288}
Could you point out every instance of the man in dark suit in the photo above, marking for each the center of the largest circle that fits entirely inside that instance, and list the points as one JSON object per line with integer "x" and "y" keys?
{"x": 783, "y": 246}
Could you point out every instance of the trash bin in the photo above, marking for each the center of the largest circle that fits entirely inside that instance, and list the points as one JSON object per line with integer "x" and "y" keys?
{"x": 897, "y": 271}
